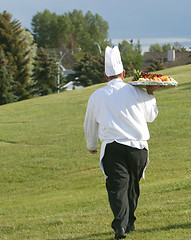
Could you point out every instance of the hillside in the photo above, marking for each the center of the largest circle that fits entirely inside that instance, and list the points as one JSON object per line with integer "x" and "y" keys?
{"x": 52, "y": 188}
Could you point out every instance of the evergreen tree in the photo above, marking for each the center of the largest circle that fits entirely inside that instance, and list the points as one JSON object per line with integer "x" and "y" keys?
{"x": 30, "y": 46}
{"x": 6, "y": 80}
{"x": 15, "y": 50}
{"x": 44, "y": 74}
{"x": 89, "y": 70}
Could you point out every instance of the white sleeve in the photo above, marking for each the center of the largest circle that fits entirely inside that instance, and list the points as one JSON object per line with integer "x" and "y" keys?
{"x": 91, "y": 127}
{"x": 151, "y": 110}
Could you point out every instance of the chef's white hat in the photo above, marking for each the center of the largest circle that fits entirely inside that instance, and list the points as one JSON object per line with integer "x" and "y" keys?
{"x": 113, "y": 63}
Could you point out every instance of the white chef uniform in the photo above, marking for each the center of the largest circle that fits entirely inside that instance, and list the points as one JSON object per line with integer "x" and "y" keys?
{"x": 119, "y": 112}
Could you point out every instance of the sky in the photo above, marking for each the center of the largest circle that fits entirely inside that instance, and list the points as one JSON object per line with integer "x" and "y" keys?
{"x": 150, "y": 21}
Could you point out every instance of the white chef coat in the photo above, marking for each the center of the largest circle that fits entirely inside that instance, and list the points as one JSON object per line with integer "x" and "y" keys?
{"x": 119, "y": 112}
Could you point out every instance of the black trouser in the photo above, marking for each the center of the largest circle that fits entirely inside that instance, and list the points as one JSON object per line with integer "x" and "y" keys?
{"x": 124, "y": 167}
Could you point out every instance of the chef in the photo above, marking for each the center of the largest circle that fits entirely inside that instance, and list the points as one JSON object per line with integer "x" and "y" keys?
{"x": 117, "y": 114}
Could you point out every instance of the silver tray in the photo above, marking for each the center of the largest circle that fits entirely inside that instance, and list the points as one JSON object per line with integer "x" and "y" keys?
{"x": 153, "y": 83}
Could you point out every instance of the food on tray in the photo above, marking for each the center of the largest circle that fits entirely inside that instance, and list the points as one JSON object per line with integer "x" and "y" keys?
{"x": 146, "y": 78}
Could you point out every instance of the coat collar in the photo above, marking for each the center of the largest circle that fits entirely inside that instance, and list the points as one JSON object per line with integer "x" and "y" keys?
{"x": 113, "y": 81}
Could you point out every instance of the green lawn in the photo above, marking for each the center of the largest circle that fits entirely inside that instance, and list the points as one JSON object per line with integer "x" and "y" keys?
{"x": 53, "y": 189}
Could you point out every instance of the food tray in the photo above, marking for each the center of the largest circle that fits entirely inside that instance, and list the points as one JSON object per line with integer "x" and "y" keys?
{"x": 152, "y": 83}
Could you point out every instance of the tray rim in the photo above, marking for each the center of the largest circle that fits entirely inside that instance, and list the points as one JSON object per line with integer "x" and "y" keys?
{"x": 152, "y": 83}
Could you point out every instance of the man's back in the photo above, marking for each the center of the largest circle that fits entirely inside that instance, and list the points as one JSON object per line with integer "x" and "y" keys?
{"x": 122, "y": 111}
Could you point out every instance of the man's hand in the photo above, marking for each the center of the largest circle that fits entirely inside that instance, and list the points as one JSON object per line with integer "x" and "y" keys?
{"x": 151, "y": 89}
{"x": 93, "y": 151}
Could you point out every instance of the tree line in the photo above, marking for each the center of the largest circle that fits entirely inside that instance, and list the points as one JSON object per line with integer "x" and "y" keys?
{"x": 29, "y": 60}
{"x": 165, "y": 47}
{"x": 70, "y": 30}
{"x": 27, "y": 66}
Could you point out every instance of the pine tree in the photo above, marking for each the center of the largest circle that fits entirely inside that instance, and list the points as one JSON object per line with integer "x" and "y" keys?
{"x": 15, "y": 50}
{"x": 6, "y": 80}
{"x": 89, "y": 70}
{"x": 45, "y": 74}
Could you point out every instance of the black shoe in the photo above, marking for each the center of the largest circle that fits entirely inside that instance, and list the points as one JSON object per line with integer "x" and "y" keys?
{"x": 130, "y": 227}
{"x": 120, "y": 233}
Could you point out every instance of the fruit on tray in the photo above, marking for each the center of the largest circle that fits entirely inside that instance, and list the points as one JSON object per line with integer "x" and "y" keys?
{"x": 146, "y": 76}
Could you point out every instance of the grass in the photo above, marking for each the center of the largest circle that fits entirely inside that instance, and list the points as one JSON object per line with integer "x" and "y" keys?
{"x": 53, "y": 189}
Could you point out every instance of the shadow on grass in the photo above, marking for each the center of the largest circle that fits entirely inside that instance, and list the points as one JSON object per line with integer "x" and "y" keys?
{"x": 186, "y": 86}
{"x": 166, "y": 228}
{"x": 105, "y": 236}
{"x": 8, "y": 141}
